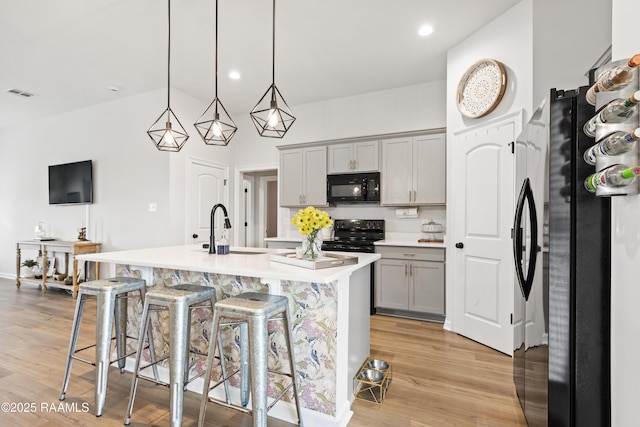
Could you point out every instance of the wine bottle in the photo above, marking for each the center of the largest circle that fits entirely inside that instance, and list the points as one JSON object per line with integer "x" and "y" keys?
{"x": 615, "y": 143}
{"x": 616, "y": 111}
{"x": 612, "y": 177}
{"x": 613, "y": 79}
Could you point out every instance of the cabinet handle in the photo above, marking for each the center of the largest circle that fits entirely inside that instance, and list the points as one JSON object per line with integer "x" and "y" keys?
{"x": 409, "y": 195}
{"x": 408, "y": 254}
{"x": 410, "y": 270}
{"x": 415, "y": 195}
{"x": 405, "y": 269}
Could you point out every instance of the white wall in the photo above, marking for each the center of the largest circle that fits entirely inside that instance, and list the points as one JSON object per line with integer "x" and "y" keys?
{"x": 129, "y": 172}
{"x": 568, "y": 38}
{"x": 412, "y": 108}
{"x": 398, "y": 110}
{"x": 625, "y": 260}
{"x": 508, "y": 39}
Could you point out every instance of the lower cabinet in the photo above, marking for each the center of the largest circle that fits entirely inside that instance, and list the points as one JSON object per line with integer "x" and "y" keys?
{"x": 410, "y": 281}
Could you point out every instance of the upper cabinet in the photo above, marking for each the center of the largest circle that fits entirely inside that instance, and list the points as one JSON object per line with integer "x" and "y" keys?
{"x": 303, "y": 176}
{"x": 413, "y": 170}
{"x": 354, "y": 157}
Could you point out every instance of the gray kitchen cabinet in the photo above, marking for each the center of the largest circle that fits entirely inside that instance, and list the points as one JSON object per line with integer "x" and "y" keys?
{"x": 413, "y": 170}
{"x": 303, "y": 176}
{"x": 409, "y": 281}
{"x": 354, "y": 157}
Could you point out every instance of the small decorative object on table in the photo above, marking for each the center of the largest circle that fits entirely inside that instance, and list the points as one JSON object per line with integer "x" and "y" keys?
{"x": 28, "y": 270}
{"x": 82, "y": 235}
{"x": 309, "y": 222}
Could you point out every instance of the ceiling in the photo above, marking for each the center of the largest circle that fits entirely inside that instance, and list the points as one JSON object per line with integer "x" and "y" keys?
{"x": 75, "y": 53}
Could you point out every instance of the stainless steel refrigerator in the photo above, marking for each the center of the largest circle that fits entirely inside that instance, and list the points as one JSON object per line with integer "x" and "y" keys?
{"x": 562, "y": 308}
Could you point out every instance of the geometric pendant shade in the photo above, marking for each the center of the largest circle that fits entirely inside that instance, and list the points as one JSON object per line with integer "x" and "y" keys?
{"x": 167, "y": 133}
{"x": 272, "y": 116}
{"x": 215, "y": 126}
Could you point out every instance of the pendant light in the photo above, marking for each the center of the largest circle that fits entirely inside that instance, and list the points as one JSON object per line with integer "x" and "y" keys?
{"x": 168, "y": 136}
{"x": 215, "y": 126}
{"x": 272, "y": 116}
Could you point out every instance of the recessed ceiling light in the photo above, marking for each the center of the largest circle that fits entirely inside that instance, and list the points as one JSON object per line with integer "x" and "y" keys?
{"x": 234, "y": 75}
{"x": 425, "y": 30}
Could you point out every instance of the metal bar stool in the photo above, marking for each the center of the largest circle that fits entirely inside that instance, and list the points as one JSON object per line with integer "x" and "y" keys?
{"x": 257, "y": 309}
{"x": 110, "y": 307}
{"x": 179, "y": 300}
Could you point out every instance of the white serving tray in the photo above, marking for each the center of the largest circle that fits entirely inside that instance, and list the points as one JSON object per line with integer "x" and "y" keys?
{"x": 327, "y": 261}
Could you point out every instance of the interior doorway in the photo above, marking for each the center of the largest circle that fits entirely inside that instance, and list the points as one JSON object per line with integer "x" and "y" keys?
{"x": 257, "y": 206}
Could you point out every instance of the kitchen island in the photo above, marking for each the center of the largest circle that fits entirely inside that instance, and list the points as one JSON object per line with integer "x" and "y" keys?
{"x": 329, "y": 307}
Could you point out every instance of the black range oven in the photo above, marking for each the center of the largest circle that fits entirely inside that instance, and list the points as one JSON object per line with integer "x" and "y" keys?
{"x": 356, "y": 235}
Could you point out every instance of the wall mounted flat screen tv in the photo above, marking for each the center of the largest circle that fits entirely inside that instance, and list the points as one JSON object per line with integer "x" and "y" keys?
{"x": 71, "y": 183}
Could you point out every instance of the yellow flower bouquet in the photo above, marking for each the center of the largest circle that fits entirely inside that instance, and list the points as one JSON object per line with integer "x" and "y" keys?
{"x": 309, "y": 221}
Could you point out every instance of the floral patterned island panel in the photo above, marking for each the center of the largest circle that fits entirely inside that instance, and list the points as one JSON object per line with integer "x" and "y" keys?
{"x": 313, "y": 308}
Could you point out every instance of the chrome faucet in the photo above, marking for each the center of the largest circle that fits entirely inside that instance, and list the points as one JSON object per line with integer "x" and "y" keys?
{"x": 227, "y": 225}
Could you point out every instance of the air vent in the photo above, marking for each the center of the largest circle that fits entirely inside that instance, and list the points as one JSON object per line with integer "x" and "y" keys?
{"x": 21, "y": 92}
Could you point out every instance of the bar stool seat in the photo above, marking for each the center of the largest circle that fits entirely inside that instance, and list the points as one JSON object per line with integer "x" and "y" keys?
{"x": 179, "y": 300}
{"x": 257, "y": 309}
{"x": 110, "y": 309}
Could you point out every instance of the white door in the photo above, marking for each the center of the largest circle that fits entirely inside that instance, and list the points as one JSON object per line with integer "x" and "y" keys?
{"x": 208, "y": 186}
{"x": 483, "y": 196}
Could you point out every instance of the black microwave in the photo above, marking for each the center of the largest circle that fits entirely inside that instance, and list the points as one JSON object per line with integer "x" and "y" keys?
{"x": 353, "y": 188}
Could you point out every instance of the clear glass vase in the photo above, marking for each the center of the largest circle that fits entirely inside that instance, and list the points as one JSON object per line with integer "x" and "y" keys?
{"x": 312, "y": 246}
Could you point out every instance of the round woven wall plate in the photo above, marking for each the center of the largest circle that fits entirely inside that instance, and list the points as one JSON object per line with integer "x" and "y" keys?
{"x": 481, "y": 88}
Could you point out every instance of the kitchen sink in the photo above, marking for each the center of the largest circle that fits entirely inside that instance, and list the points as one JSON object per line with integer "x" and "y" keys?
{"x": 246, "y": 253}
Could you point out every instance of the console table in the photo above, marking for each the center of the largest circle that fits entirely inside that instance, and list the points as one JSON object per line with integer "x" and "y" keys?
{"x": 55, "y": 246}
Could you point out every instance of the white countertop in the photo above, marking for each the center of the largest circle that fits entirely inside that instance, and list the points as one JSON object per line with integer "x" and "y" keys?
{"x": 256, "y": 264}
{"x": 283, "y": 239}
{"x": 409, "y": 243}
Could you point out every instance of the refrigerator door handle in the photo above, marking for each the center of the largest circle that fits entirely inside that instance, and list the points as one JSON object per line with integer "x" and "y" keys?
{"x": 525, "y": 282}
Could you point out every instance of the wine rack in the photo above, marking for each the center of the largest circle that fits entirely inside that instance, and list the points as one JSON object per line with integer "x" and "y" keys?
{"x": 630, "y": 158}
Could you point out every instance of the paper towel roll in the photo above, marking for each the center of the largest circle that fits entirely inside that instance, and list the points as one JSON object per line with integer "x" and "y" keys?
{"x": 407, "y": 213}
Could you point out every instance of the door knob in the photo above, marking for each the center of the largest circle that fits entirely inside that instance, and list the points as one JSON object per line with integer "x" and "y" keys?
{"x": 195, "y": 236}
{"x": 459, "y": 245}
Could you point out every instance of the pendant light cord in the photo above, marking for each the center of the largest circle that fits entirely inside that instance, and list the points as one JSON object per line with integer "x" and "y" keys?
{"x": 169, "y": 60}
{"x": 216, "y": 79}
{"x": 273, "y": 46}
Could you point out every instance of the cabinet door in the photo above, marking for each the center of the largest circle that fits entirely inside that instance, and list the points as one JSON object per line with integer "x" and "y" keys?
{"x": 392, "y": 289}
{"x": 426, "y": 287}
{"x": 315, "y": 176}
{"x": 365, "y": 155}
{"x": 340, "y": 158}
{"x": 396, "y": 174}
{"x": 291, "y": 177}
{"x": 429, "y": 173}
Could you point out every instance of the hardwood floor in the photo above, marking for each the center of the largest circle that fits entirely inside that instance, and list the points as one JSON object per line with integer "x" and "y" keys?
{"x": 439, "y": 378}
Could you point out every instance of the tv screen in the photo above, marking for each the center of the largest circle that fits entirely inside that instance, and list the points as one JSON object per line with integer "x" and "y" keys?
{"x": 71, "y": 183}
